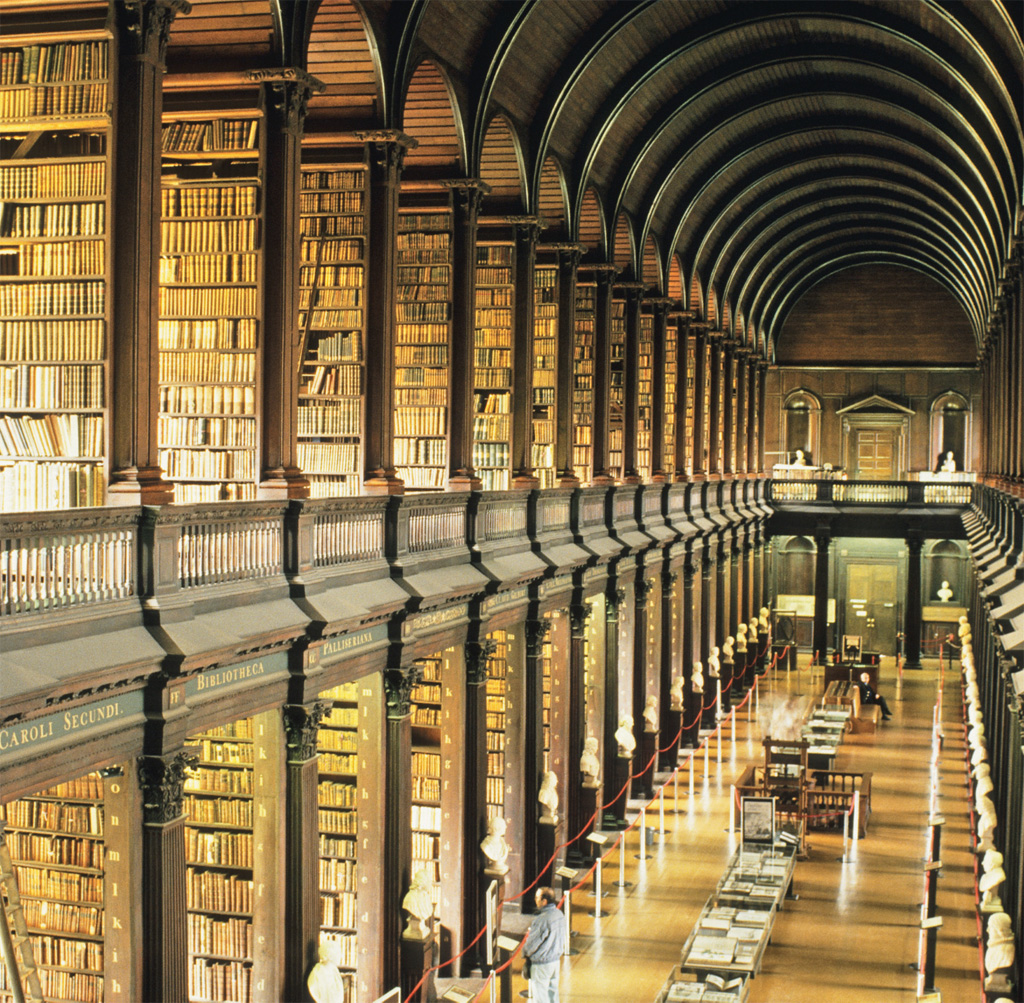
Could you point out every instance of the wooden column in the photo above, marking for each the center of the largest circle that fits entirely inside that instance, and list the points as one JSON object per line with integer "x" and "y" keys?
{"x": 527, "y": 231}
{"x": 397, "y": 796}
{"x": 640, "y": 626}
{"x": 302, "y": 846}
{"x": 385, "y": 151}
{"x": 630, "y": 394}
{"x": 164, "y": 908}
{"x": 533, "y": 759}
{"x": 700, "y": 417}
{"x": 579, "y": 613}
{"x": 691, "y": 643}
{"x": 133, "y": 395}
{"x": 473, "y": 754}
{"x": 752, "y": 414}
{"x": 466, "y": 198}
{"x": 667, "y": 665}
{"x": 287, "y": 92}
{"x": 912, "y": 627}
{"x": 568, "y": 261}
{"x": 602, "y": 371}
{"x": 658, "y": 377}
{"x": 722, "y": 591}
{"x": 613, "y": 815}
{"x": 822, "y": 540}
{"x": 747, "y": 595}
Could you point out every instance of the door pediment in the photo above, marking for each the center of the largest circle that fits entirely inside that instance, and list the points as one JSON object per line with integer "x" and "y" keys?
{"x": 875, "y": 404}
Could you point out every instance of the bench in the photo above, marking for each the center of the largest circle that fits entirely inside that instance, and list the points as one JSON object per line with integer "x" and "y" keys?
{"x": 867, "y": 720}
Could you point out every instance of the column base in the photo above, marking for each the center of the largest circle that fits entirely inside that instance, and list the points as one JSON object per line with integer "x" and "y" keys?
{"x": 282, "y": 483}
{"x": 914, "y": 665}
{"x": 383, "y": 482}
{"x": 525, "y": 482}
{"x": 139, "y": 486}
{"x": 462, "y": 480}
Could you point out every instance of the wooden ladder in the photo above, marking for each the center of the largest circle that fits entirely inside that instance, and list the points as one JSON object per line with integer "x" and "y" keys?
{"x": 17, "y": 949}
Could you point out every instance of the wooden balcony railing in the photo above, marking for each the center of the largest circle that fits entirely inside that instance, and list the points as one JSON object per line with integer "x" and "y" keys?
{"x": 869, "y": 492}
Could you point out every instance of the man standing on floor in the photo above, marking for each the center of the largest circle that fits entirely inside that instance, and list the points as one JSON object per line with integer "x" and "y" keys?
{"x": 545, "y": 945}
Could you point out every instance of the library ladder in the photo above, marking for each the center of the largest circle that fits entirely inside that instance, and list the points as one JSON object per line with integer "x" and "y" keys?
{"x": 17, "y": 949}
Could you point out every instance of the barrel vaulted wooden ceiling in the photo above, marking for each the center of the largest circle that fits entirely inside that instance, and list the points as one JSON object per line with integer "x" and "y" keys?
{"x": 733, "y": 154}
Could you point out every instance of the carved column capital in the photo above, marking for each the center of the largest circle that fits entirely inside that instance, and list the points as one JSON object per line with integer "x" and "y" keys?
{"x": 398, "y": 686}
{"x": 536, "y": 633}
{"x": 302, "y": 725}
{"x": 668, "y": 580}
{"x": 644, "y": 587}
{"x": 467, "y": 194}
{"x": 579, "y": 614}
{"x": 147, "y": 25}
{"x": 386, "y": 149}
{"x": 614, "y": 598}
{"x": 289, "y": 88}
{"x": 476, "y": 654}
{"x": 162, "y": 780}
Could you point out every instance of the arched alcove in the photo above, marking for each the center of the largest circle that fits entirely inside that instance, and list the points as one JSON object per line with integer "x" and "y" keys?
{"x": 950, "y": 417}
{"x": 802, "y": 427}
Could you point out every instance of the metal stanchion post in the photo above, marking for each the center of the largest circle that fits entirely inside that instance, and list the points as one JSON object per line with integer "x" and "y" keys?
{"x": 622, "y": 882}
{"x": 706, "y": 759}
{"x": 691, "y": 774}
{"x": 856, "y": 818}
{"x": 599, "y": 839}
{"x": 718, "y": 748}
{"x": 732, "y": 807}
{"x": 643, "y": 854}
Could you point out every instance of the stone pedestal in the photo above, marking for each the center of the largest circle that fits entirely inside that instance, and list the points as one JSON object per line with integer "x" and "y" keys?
{"x": 582, "y": 851}
{"x": 615, "y": 814}
{"x": 729, "y": 684}
{"x": 670, "y": 757}
{"x": 417, "y": 958}
{"x": 547, "y": 840}
{"x": 707, "y": 717}
{"x": 762, "y": 650}
{"x": 644, "y": 787}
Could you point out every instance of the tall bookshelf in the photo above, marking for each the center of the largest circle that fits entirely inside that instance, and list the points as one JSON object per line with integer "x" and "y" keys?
{"x": 219, "y": 796}
{"x": 718, "y": 447}
{"x": 425, "y": 705}
{"x": 705, "y": 444}
{"x": 736, "y": 404}
{"x": 689, "y": 402}
{"x": 338, "y": 767}
{"x": 645, "y": 390}
{"x": 583, "y": 382}
{"x": 423, "y": 332}
{"x": 497, "y": 692}
{"x": 332, "y": 325}
{"x": 545, "y": 338}
{"x": 616, "y": 389}
{"x": 211, "y": 215}
{"x": 56, "y": 841}
{"x": 668, "y": 462}
{"x": 55, "y": 121}
{"x": 492, "y": 366}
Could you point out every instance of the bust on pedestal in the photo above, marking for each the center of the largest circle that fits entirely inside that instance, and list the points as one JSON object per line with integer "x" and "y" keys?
{"x": 547, "y": 825}
{"x": 991, "y": 879}
{"x": 649, "y": 746}
{"x": 494, "y": 848}
{"x": 417, "y": 948}
{"x": 742, "y": 668}
{"x": 945, "y": 593}
{"x": 999, "y": 954}
{"x": 615, "y": 813}
{"x": 590, "y": 768}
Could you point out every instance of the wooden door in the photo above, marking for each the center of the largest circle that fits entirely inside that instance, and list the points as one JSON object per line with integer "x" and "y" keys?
{"x": 876, "y": 454}
{"x": 871, "y": 596}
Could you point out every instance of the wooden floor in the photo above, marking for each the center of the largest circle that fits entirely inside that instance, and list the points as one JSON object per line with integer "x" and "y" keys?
{"x": 852, "y": 935}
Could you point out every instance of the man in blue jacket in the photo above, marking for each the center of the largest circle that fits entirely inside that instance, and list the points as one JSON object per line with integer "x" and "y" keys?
{"x": 545, "y": 945}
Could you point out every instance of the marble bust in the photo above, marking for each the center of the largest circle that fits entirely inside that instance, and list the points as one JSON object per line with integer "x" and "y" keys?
{"x": 676, "y": 693}
{"x": 624, "y": 736}
{"x": 714, "y": 663}
{"x": 651, "y": 713}
{"x": 728, "y": 649}
{"x": 494, "y": 847}
{"x": 945, "y": 593}
{"x": 548, "y": 798}
{"x": 419, "y": 905}
{"x": 990, "y": 880}
{"x": 590, "y": 765}
{"x": 948, "y": 465}
{"x": 697, "y": 679}
{"x": 325, "y": 983}
{"x": 999, "y": 952}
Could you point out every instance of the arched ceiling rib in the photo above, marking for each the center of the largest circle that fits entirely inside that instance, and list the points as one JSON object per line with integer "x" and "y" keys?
{"x": 763, "y": 146}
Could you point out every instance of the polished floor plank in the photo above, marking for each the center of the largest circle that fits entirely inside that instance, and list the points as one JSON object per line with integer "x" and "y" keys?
{"x": 852, "y": 934}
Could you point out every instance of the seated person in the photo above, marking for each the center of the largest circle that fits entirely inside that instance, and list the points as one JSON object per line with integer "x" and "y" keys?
{"x": 869, "y": 696}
